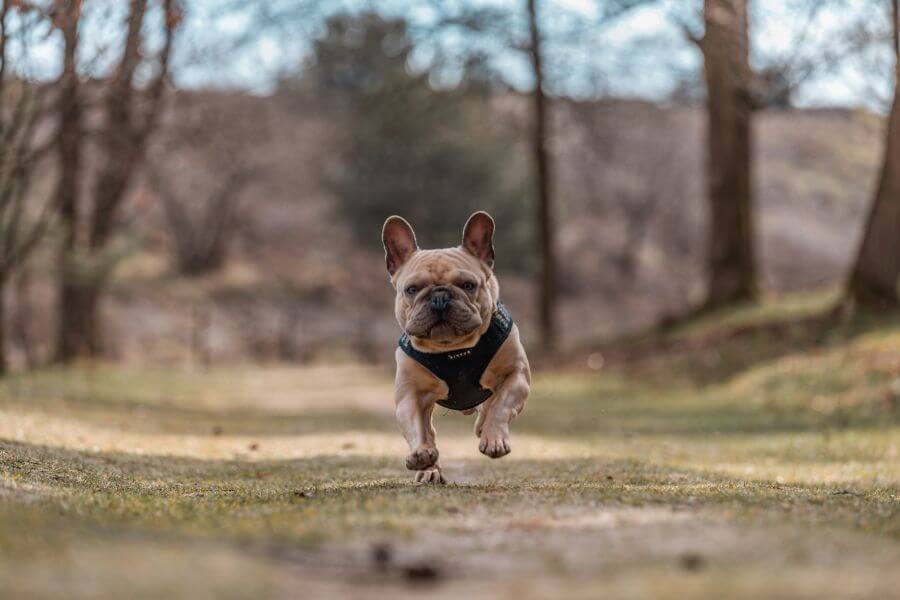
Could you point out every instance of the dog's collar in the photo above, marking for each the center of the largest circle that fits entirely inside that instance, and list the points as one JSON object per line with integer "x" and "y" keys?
{"x": 462, "y": 369}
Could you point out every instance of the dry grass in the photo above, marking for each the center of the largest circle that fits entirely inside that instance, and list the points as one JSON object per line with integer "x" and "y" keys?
{"x": 778, "y": 476}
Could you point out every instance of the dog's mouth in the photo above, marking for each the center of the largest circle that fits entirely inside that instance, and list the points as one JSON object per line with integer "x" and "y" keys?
{"x": 447, "y": 327}
{"x": 442, "y": 330}
{"x": 437, "y": 330}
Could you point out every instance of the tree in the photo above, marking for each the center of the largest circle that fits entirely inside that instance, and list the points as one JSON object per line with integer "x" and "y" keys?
{"x": 875, "y": 279}
{"x": 545, "y": 214}
{"x": 544, "y": 183}
{"x": 130, "y": 115}
{"x": 200, "y": 169}
{"x": 203, "y": 235}
{"x": 405, "y": 146}
{"x": 569, "y": 32}
{"x": 731, "y": 268}
{"x": 24, "y": 214}
{"x": 821, "y": 45}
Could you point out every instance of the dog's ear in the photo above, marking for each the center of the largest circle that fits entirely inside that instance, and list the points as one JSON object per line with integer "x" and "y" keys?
{"x": 399, "y": 242}
{"x": 478, "y": 237}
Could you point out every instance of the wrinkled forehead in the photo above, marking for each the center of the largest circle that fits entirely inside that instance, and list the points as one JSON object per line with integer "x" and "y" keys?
{"x": 440, "y": 266}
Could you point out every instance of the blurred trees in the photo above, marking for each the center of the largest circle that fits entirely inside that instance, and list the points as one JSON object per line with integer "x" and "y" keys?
{"x": 200, "y": 172}
{"x": 24, "y": 214}
{"x": 735, "y": 90}
{"x": 406, "y": 145}
{"x": 875, "y": 280}
{"x": 130, "y": 109}
{"x": 543, "y": 169}
{"x": 456, "y": 106}
{"x": 203, "y": 228}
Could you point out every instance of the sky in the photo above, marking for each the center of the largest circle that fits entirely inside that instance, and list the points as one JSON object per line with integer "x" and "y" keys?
{"x": 644, "y": 54}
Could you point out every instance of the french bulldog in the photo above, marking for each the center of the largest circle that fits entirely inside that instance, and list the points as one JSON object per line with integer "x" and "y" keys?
{"x": 446, "y": 301}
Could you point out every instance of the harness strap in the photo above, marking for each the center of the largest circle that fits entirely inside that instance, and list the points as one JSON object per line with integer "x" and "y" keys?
{"x": 462, "y": 369}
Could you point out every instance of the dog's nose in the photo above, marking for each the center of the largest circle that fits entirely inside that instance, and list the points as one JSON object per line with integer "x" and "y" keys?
{"x": 440, "y": 299}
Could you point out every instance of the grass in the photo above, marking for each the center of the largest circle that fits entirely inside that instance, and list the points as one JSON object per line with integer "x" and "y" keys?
{"x": 772, "y": 470}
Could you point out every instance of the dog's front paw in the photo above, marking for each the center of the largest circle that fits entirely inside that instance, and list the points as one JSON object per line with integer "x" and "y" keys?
{"x": 494, "y": 445}
{"x": 422, "y": 458}
{"x": 431, "y": 475}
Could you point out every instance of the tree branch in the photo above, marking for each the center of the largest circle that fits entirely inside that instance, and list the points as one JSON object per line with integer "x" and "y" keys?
{"x": 172, "y": 13}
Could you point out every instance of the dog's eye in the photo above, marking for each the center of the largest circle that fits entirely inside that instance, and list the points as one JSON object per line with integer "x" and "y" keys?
{"x": 412, "y": 290}
{"x": 469, "y": 286}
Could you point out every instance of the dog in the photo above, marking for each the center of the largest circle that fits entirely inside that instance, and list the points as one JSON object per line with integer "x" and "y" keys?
{"x": 459, "y": 348}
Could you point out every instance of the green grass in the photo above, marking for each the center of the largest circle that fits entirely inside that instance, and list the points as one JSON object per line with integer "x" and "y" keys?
{"x": 772, "y": 470}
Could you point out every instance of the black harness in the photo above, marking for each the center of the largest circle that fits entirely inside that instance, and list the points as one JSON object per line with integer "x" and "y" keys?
{"x": 462, "y": 369}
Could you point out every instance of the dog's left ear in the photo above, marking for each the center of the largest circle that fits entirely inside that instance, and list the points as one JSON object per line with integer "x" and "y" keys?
{"x": 478, "y": 237}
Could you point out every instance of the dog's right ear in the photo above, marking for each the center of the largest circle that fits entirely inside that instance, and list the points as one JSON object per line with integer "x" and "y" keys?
{"x": 399, "y": 242}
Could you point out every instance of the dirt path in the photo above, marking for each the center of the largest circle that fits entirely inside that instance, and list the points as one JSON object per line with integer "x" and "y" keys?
{"x": 612, "y": 489}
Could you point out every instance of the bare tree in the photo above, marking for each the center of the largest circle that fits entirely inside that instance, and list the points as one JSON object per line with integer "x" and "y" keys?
{"x": 130, "y": 115}
{"x": 731, "y": 268}
{"x": 544, "y": 183}
{"x": 203, "y": 233}
{"x": 875, "y": 279}
{"x": 571, "y": 29}
{"x": 734, "y": 92}
{"x": 200, "y": 168}
{"x": 24, "y": 216}
{"x": 781, "y": 74}
{"x": 69, "y": 148}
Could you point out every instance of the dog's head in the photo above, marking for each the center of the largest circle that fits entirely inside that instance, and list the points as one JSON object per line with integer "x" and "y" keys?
{"x": 445, "y": 298}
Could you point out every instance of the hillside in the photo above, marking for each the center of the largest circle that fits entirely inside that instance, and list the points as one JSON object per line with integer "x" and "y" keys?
{"x": 631, "y": 218}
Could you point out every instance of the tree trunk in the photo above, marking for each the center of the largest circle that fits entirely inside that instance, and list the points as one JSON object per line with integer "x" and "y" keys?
{"x": 731, "y": 274}
{"x": 69, "y": 150}
{"x": 129, "y": 119}
{"x": 120, "y": 149}
{"x": 121, "y": 139}
{"x": 875, "y": 280}
{"x": 543, "y": 175}
{"x": 79, "y": 329}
